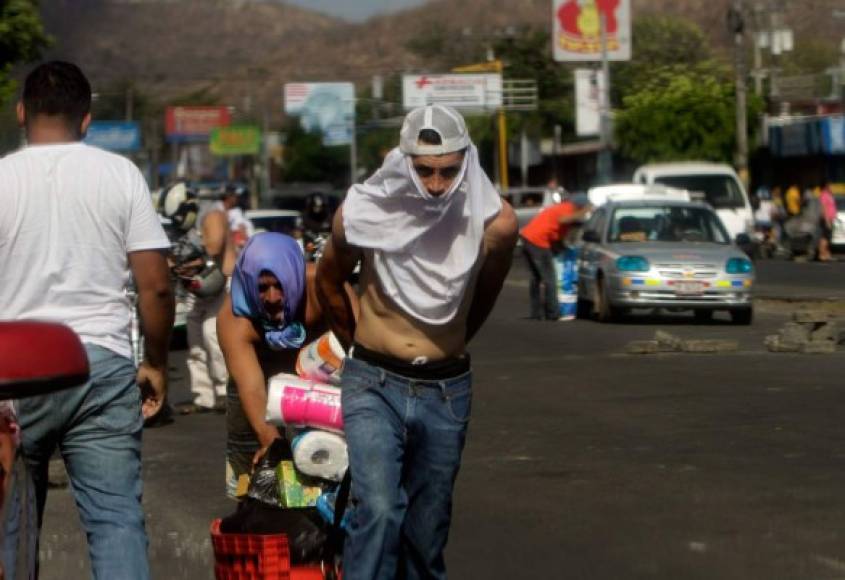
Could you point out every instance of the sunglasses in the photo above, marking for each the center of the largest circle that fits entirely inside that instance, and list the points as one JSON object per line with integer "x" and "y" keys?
{"x": 448, "y": 172}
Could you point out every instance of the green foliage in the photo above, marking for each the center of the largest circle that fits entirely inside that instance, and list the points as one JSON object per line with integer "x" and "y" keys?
{"x": 22, "y": 37}
{"x": 306, "y": 159}
{"x": 680, "y": 115}
{"x": 658, "y": 42}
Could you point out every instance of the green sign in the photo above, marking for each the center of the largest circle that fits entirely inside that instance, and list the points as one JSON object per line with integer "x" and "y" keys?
{"x": 235, "y": 140}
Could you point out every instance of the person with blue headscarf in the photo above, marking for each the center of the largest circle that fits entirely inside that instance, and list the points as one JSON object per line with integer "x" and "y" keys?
{"x": 271, "y": 311}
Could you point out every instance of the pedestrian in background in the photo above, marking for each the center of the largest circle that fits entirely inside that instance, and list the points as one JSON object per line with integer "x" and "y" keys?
{"x": 540, "y": 238}
{"x": 204, "y": 260}
{"x": 76, "y": 221}
{"x": 792, "y": 201}
{"x": 239, "y": 226}
{"x": 828, "y": 218}
{"x": 436, "y": 242}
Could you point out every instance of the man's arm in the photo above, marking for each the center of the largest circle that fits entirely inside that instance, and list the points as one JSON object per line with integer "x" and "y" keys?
{"x": 499, "y": 241}
{"x": 577, "y": 215}
{"x": 215, "y": 234}
{"x": 237, "y": 339}
{"x": 156, "y": 306}
{"x": 334, "y": 268}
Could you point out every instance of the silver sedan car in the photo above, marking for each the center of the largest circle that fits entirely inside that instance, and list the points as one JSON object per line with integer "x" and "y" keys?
{"x": 661, "y": 254}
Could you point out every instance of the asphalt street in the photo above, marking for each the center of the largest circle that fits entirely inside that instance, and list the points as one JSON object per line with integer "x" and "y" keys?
{"x": 583, "y": 461}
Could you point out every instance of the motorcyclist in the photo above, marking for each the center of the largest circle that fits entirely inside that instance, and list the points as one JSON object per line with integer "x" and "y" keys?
{"x": 316, "y": 222}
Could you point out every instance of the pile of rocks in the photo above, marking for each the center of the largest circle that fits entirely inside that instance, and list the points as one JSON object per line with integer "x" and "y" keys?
{"x": 666, "y": 342}
{"x": 810, "y": 332}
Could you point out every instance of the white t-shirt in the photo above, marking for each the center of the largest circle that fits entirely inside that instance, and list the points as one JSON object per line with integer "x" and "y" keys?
{"x": 69, "y": 214}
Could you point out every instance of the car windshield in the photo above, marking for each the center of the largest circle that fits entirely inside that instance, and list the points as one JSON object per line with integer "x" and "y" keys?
{"x": 666, "y": 224}
{"x": 281, "y": 224}
{"x": 720, "y": 191}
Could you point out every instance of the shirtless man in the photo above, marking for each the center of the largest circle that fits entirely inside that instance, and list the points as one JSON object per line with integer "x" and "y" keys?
{"x": 436, "y": 242}
{"x": 271, "y": 311}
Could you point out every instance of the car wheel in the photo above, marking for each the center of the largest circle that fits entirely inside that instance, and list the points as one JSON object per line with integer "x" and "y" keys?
{"x": 604, "y": 311}
{"x": 742, "y": 316}
{"x": 703, "y": 315}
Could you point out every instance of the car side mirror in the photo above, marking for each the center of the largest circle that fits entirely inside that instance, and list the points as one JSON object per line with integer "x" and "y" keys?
{"x": 38, "y": 358}
{"x": 591, "y": 236}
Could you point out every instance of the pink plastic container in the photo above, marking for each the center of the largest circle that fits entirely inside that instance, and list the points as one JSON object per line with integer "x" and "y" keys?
{"x": 301, "y": 403}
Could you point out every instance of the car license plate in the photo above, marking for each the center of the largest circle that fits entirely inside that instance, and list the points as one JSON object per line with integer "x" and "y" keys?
{"x": 689, "y": 288}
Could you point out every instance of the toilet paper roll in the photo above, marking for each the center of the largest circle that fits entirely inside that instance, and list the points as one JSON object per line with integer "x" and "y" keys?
{"x": 320, "y": 454}
{"x": 294, "y": 401}
{"x": 321, "y": 360}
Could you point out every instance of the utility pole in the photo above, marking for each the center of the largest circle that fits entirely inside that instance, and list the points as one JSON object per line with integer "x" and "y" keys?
{"x": 604, "y": 159}
{"x": 736, "y": 25}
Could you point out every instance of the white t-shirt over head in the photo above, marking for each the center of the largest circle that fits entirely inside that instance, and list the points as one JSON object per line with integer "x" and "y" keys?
{"x": 69, "y": 215}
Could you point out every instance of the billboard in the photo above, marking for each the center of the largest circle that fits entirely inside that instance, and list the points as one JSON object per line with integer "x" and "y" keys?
{"x": 328, "y": 108}
{"x": 118, "y": 136}
{"x": 589, "y": 84}
{"x": 235, "y": 140}
{"x": 193, "y": 124}
{"x": 576, "y": 29}
{"x": 462, "y": 91}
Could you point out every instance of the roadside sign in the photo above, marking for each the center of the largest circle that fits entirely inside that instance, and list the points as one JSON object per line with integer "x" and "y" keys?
{"x": 576, "y": 29}
{"x": 193, "y": 124}
{"x": 118, "y": 136}
{"x": 589, "y": 84}
{"x": 328, "y": 108}
{"x": 235, "y": 140}
{"x": 462, "y": 91}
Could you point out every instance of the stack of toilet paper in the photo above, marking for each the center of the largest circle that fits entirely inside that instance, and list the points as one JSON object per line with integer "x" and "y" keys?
{"x": 310, "y": 403}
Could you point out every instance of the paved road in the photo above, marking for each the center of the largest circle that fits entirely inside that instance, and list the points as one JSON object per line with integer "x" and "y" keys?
{"x": 584, "y": 462}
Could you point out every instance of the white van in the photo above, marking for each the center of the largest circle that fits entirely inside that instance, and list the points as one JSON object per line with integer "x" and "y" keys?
{"x": 718, "y": 182}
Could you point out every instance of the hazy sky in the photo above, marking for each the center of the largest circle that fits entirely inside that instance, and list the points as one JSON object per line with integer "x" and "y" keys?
{"x": 356, "y": 10}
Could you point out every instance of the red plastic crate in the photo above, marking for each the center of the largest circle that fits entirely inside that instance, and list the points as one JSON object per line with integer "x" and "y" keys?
{"x": 256, "y": 557}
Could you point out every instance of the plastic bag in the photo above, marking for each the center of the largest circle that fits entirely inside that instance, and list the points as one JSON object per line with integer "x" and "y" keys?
{"x": 264, "y": 483}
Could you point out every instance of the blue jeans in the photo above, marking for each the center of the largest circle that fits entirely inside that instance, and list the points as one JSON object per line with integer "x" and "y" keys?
{"x": 541, "y": 263}
{"x": 97, "y": 429}
{"x": 405, "y": 439}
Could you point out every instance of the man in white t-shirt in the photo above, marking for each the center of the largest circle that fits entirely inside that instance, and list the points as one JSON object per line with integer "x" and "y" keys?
{"x": 76, "y": 221}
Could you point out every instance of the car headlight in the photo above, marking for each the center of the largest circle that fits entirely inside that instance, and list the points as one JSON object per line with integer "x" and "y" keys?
{"x": 632, "y": 264}
{"x": 738, "y": 266}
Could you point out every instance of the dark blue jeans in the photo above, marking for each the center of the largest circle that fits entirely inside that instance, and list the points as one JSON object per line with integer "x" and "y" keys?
{"x": 97, "y": 429}
{"x": 541, "y": 263}
{"x": 405, "y": 439}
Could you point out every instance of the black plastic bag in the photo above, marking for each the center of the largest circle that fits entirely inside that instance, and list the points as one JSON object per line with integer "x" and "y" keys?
{"x": 264, "y": 483}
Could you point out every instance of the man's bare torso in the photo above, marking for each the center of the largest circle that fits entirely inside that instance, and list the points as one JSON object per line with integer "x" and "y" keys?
{"x": 384, "y": 327}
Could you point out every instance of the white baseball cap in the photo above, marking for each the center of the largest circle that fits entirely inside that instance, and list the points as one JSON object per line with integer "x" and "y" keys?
{"x": 443, "y": 120}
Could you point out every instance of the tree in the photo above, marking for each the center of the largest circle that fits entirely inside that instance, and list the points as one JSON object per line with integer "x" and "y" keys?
{"x": 307, "y": 159}
{"x": 680, "y": 114}
{"x": 658, "y": 42}
{"x": 22, "y": 37}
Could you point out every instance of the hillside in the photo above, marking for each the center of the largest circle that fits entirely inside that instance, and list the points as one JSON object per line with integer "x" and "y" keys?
{"x": 244, "y": 50}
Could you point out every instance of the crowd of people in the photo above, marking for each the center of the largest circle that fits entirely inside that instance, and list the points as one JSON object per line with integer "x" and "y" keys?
{"x": 796, "y": 221}
{"x": 434, "y": 241}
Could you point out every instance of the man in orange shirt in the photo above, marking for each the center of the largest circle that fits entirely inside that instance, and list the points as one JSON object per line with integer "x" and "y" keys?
{"x": 539, "y": 237}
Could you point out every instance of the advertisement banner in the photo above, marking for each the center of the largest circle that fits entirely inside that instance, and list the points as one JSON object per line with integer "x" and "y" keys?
{"x": 193, "y": 124}
{"x": 589, "y": 84}
{"x": 327, "y": 108}
{"x": 576, "y": 29}
{"x": 461, "y": 91}
{"x": 235, "y": 140}
{"x": 118, "y": 136}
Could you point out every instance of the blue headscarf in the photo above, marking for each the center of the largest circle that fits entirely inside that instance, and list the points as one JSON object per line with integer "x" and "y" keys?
{"x": 281, "y": 256}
